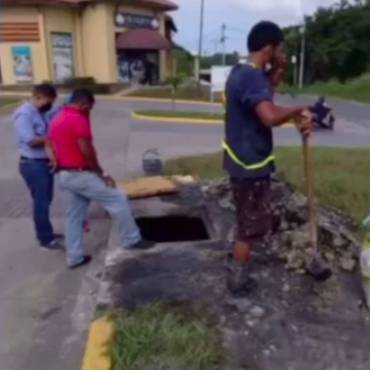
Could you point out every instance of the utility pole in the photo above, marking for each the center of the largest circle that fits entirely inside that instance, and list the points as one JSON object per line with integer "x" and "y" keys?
{"x": 223, "y": 43}
{"x": 201, "y": 27}
{"x": 303, "y": 56}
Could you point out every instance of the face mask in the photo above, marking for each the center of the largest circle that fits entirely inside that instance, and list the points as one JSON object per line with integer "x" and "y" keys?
{"x": 46, "y": 107}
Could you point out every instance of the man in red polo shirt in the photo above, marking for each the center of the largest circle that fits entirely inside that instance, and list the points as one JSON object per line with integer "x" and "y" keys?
{"x": 83, "y": 180}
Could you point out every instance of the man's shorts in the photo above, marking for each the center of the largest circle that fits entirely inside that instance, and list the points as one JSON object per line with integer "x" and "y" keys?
{"x": 252, "y": 199}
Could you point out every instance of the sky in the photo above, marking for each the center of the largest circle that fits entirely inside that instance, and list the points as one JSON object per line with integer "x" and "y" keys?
{"x": 238, "y": 16}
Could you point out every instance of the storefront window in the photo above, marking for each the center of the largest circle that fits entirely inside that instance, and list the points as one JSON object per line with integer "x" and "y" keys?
{"x": 141, "y": 67}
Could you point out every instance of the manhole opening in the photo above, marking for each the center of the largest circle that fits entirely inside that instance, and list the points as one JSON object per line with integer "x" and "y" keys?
{"x": 173, "y": 229}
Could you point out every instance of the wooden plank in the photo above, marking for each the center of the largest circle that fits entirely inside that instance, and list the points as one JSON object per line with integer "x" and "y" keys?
{"x": 147, "y": 187}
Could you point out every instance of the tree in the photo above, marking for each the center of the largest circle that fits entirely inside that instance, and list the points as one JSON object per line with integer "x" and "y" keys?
{"x": 338, "y": 40}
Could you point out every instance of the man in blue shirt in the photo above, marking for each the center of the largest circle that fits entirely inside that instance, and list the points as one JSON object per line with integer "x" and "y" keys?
{"x": 31, "y": 128}
{"x": 248, "y": 147}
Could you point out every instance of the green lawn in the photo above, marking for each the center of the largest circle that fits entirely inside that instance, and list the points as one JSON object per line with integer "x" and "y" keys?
{"x": 357, "y": 89}
{"x": 180, "y": 114}
{"x": 161, "y": 338}
{"x": 183, "y": 93}
{"x": 8, "y": 102}
{"x": 342, "y": 175}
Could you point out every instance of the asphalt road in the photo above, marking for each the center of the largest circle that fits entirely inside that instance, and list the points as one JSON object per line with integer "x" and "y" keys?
{"x": 44, "y": 308}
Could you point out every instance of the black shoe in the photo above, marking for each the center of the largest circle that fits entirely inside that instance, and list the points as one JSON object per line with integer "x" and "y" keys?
{"x": 85, "y": 261}
{"x": 239, "y": 282}
{"x": 142, "y": 245}
{"x": 54, "y": 245}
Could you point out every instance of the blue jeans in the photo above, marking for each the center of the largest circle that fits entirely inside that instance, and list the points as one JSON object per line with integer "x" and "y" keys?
{"x": 79, "y": 189}
{"x": 39, "y": 180}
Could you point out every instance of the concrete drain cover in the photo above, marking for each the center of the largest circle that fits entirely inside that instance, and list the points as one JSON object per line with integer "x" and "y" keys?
{"x": 168, "y": 229}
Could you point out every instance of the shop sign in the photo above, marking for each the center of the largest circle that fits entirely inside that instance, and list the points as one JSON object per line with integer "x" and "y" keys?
{"x": 62, "y": 46}
{"x": 22, "y": 62}
{"x": 128, "y": 20}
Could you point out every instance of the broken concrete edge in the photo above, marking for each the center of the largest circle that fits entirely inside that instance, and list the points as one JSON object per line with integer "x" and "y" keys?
{"x": 101, "y": 332}
{"x": 97, "y": 355}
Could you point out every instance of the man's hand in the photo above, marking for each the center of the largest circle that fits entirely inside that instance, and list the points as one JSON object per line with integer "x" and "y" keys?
{"x": 53, "y": 165}
{"x": 109, "y": 181}
{"x": 304, "y": 123}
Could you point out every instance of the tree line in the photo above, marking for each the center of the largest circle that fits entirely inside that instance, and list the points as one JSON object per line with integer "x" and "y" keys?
{"x": 337, "y": 42}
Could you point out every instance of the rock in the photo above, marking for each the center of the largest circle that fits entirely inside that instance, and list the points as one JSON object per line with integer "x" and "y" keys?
{"x": 291, "y": 243}
{"x": 330, "y": 256}
{"x": 251, "y": 323}
{"x": 241, "y": 305}
{"x": 227, "y": 203}
{"x": 337, "y": 241}
{"x": 257, "y": 311}
{"x": 273, "y": 348}
{"x": 286, "y": 288}
{"x": 347, "y": 264}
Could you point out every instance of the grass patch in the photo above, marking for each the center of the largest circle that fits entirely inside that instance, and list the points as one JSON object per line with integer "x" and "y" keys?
{"x": 179, "y": 114}
{"x": 357, "y": 89}
{"x": 159, "y": 337}
{"x": 183, "y": 93}
{"x": 8, "y": 102}
{"x": 342, "y": 175}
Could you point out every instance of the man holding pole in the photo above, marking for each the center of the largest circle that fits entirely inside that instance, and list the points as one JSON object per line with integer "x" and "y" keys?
{"x": 248, "y": 147}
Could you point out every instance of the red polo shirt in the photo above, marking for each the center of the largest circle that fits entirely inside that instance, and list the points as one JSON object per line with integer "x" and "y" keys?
{"x": 66, "y": 129}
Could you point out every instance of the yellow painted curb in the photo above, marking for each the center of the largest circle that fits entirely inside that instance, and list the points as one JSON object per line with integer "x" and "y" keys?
{"x": 96, "y": 353}
{"x": 189, "y": 121}
{"x": 184, "y": 120}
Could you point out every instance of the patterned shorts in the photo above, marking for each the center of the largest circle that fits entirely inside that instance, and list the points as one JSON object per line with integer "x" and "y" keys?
{"x": 253, "y": 208}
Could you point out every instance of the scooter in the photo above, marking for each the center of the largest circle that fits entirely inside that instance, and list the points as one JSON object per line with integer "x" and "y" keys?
{"x": 323, "y": 115}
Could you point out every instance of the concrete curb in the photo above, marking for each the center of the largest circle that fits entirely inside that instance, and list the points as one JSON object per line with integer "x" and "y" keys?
{"x": 96, "y": 354}
{"x": 184, "y": 120}
{"x": 167, "y": 100}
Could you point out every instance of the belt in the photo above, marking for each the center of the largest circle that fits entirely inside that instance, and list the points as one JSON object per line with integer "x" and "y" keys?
{"x": 72, "y": 169}
{"x": 22, "y": 158}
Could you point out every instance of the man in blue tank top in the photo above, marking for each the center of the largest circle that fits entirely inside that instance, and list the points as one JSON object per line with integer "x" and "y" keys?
{"x": 248, "y": 147}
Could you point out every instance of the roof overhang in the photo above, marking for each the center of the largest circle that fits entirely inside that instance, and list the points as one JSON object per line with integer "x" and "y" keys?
{"x": 142, "y": 39}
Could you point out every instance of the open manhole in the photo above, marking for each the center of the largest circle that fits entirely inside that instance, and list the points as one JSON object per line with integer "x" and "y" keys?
{"x": 173, "y": 229}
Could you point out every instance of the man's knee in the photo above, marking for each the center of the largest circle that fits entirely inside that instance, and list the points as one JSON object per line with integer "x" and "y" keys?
{"x": 118, "y": 202}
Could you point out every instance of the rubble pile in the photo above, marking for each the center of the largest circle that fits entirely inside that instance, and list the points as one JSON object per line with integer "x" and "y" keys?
{"x": 290, "y": 242}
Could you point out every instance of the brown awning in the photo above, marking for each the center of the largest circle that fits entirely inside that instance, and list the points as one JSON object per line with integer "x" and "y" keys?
{"x": 141, "y": 39}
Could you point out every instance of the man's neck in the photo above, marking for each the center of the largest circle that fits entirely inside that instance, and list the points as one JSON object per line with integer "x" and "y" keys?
{"x": 256, "y": 60}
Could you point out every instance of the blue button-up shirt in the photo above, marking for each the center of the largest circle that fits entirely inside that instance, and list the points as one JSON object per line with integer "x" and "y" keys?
{"x": 29, "y": 124}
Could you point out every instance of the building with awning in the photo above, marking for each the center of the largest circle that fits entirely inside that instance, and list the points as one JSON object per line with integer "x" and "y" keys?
{"x": 109, "y": 40}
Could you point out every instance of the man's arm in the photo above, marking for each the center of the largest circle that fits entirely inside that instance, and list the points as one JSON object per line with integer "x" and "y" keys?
{"x": 26, "y": 133}
{"x": 272, "y": 115}
{"x": 89, "y": 152}
{"x": 38, "y": 142}
{"x": 51, "y": 155}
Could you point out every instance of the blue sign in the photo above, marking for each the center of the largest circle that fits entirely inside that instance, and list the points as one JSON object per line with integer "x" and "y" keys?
{"x": 22, "y": 60}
